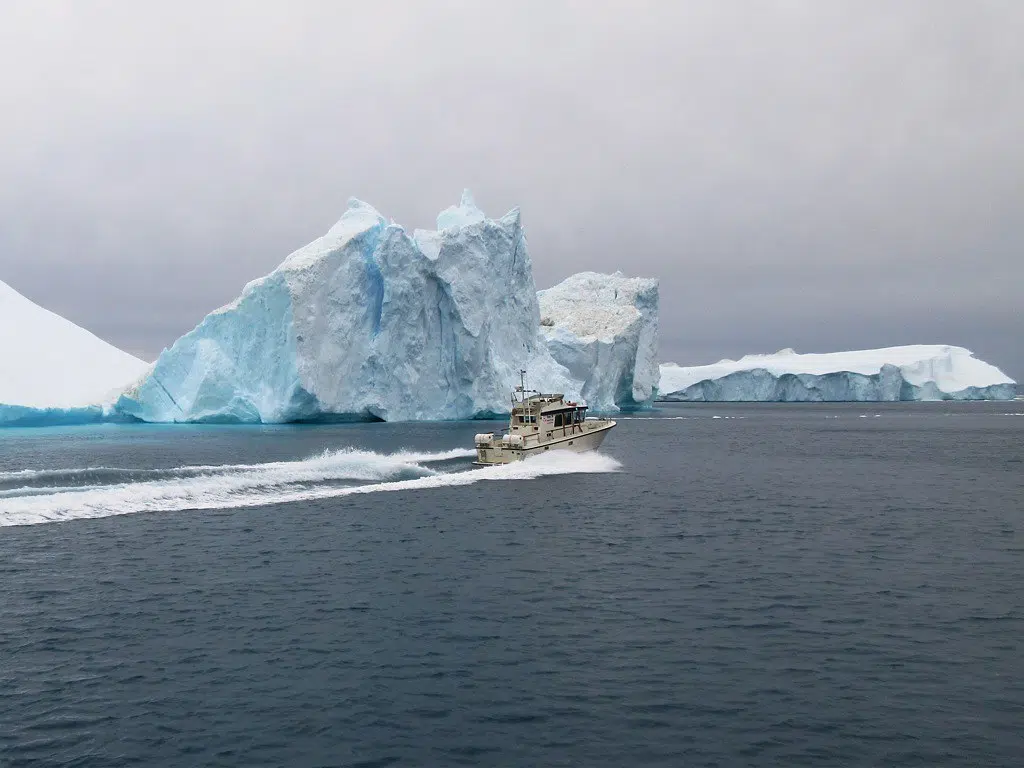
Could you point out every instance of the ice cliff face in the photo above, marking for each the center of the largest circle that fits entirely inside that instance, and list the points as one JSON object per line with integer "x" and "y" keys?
{"x": 604, "y": 330}
{"x": 366, "y": 322}
{"x": 51, "y": 370}
{"x": 919, "y": 372}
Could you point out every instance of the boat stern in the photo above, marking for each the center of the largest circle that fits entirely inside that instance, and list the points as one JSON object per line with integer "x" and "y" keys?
{"x": 493, "y": 450}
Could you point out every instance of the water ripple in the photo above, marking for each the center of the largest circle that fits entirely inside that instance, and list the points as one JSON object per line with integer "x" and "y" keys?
{"x": 764, "y": 591}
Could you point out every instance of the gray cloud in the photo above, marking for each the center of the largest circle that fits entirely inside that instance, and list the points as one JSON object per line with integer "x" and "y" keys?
{"x": 821, "y": 176}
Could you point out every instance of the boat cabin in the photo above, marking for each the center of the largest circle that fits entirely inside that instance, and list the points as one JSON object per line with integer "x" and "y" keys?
{"x": 546, "y": 413}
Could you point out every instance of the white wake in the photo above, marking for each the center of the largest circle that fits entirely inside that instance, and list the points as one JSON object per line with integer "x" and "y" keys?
{"x": 232, "y": 486}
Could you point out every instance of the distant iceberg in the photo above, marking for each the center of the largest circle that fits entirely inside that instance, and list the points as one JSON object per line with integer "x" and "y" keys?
{"x": 366, "y": 322}
{"x": 52, "y": 371}
{"x": 604, "y": 330}
{"x": 918, "y": 372}
{"x": 370, "y": 322}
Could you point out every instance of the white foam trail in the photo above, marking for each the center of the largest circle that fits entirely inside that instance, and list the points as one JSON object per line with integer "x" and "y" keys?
{"x": 426, "y": 458}
{"x": 42, "y": 490}
{"x": 204, "y": 469}
{"x": 280, "y": 482}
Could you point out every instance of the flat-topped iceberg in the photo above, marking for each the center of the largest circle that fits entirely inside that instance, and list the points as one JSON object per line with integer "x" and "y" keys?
{"x": 604, "y": 330}
{"x": 53, "y": 371}
{"x": 367, "y": 321}
{"x": 917, "y": 372}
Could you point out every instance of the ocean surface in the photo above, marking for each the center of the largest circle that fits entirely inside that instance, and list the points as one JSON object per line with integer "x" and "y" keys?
{"x": 784, "y": 585}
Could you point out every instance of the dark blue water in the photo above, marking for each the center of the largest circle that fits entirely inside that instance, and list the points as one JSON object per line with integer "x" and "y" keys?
{"x": 786, "y": 585}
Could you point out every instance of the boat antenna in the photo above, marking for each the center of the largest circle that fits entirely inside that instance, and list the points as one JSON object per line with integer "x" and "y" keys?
{"x": 522, "y": 388}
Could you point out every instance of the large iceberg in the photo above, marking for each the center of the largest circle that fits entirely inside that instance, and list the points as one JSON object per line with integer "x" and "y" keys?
{"x": 367, "y": 321}
{"x": 53, "y": 371}
{"x": 604, "y": 330}
{"x": 918, "y": 372}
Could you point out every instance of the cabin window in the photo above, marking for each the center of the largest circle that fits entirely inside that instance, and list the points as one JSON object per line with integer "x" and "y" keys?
{"x": 520, "y": 419}
{"x": 558, "y": 419}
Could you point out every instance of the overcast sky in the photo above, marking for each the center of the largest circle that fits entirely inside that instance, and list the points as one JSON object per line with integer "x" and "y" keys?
{"x": 814, "y": 175}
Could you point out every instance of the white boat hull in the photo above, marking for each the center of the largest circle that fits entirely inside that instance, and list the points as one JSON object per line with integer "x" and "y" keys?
{"x": 500, "y": 452}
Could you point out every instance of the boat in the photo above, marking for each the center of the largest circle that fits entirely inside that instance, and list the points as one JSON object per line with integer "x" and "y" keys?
{"x": 541, "y": 422}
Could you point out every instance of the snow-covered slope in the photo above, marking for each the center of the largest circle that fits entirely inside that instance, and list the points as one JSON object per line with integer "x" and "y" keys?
{"x": 366, "y": 322}
{"x": 917, "y": 372}
{"x": 51, "y": 370}
{"x": 604, "y": 330}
